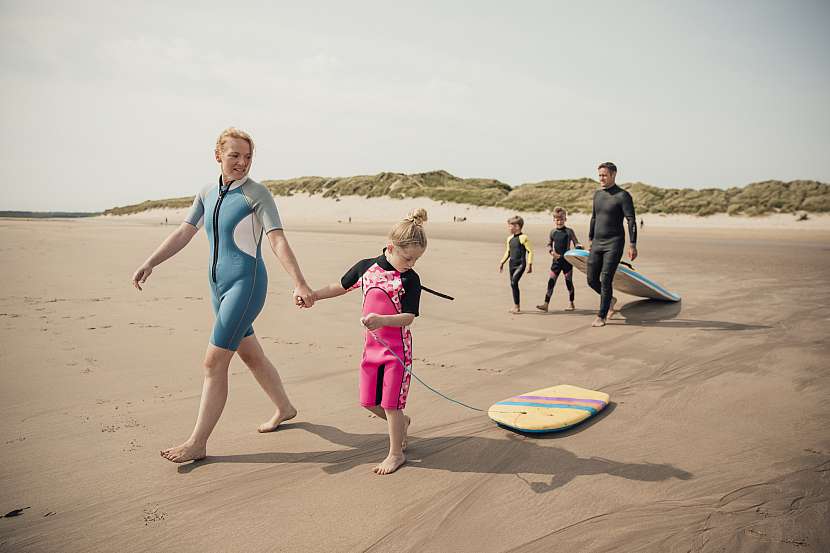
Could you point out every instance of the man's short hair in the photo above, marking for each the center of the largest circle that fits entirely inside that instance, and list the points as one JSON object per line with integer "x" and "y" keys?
{"x": 516, "y": 220}
{"x": 608, "y": 165}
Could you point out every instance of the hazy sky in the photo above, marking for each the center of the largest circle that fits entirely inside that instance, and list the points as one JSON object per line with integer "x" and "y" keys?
{"x": 110, "y": 103}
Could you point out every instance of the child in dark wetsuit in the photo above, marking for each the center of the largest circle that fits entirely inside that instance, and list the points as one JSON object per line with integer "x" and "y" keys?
{"x": 559, "y": 242}
{"x": 520, "y": 254}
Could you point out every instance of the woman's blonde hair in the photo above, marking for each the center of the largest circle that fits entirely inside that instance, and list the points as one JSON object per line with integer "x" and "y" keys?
{"x": 410, "y": 231}
{"x": 233, "y": 132}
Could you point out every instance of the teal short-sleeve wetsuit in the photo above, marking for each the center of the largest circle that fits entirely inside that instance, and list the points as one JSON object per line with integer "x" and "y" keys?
{"x": 236, "y": 216}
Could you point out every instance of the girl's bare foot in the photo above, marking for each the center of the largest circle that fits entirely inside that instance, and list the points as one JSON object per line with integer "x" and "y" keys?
{"x": 274, "y": 422}
{"x": 599, "y": 321}
{"x": 515, "y": 310}
{"x": 390, "y": 464}
{"x": 407, "y": 422}
{"x": 542, "y": 307}
{"x": 188, "y": 451}
{"x": 570, "y": 307}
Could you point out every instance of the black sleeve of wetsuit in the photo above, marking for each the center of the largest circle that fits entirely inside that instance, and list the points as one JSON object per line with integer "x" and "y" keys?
{"x": 572, "y": 235}
{"x": 630, "y": 216}
{"x": 411, "y": 298}
{"x": 550, "y": 241}
{"x": 353, "y": 275}
{"x": 593, "y": 217}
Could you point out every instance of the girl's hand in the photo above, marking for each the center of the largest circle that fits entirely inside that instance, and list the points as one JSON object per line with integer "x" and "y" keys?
{"x": 372, "y": 321}
{"x": 141, "y": 274}
{"x": 501, "y": 268}
{"x": 529, "y": 269}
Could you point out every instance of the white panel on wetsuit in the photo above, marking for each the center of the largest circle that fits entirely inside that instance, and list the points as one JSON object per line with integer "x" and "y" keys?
{"x": 246, "y": 234}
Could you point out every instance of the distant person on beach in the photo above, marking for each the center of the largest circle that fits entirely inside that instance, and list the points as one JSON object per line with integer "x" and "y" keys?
{"x": 561, "y": 239}
{"x": 520, "y": 255}
{"x": 236, "y": 212}
{"x": 642, "y": 223}
{"x": 389, "y": 285}
{"x": 606, "y": 237}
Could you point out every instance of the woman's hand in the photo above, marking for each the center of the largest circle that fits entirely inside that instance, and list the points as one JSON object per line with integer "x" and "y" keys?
{"x": 304, "y": 296}
{"x": 141, "y": 274}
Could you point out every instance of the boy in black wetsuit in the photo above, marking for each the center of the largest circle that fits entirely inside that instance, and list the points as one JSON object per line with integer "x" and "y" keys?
{"x": 520, "y": 254}
{"x": 559, "y": 242}
{"x": 607, "y": 238}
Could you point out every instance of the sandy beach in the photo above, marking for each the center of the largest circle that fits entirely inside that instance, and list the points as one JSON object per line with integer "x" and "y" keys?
{"x": 716, "y": 438}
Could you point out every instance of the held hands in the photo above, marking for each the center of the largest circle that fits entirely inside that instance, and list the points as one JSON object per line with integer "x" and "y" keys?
{"x": 632, "y": 252}
{"x": 303, "y": 296}
{"x": 141, "y": 274}
{"x": 372, "y": 321}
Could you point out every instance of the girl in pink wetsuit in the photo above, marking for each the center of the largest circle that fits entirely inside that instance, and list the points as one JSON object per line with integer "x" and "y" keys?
{"x": 391, "y": 294}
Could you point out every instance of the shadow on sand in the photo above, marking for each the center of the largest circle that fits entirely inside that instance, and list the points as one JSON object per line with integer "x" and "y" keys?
{"x": 664, "y": 314}
{"x": 527, "y": 459}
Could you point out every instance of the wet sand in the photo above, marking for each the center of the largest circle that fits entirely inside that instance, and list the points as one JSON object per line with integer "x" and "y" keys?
{"x": 716, "y": 439}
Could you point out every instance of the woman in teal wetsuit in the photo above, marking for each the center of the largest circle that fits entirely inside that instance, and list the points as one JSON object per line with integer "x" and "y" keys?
{"x": 236, "y": 212}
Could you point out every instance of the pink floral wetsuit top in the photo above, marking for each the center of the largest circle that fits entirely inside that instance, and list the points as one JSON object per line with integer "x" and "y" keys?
{"x": 386, "y": 291}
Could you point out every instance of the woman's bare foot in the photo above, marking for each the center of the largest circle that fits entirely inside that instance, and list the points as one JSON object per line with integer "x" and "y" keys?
{"x": 570, "y": 307}
{"x": 407, "y": 422}
{"x": 390, "y": 464}
{"x": 516, "y": 310}
{"x": 188, "y": 451}
{"x": 274, "y": 422}
{"x": 542, "y": 307}
{"x": 599, "y": 321}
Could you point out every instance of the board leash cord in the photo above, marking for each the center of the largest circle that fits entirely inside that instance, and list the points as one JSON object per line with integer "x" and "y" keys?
{"x": 381, "y": 341}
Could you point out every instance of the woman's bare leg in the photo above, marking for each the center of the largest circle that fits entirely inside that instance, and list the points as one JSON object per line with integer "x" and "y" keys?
{"x": 214, "y": 396}
{"x": 252, "y": 354}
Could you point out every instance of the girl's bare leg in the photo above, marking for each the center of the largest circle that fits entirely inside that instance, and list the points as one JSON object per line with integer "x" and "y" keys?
{"x": 214, "y": 396}
{"x": 251, "y": 353}
{"x": 380, "y": 412}
{"x": 397, "y": 422}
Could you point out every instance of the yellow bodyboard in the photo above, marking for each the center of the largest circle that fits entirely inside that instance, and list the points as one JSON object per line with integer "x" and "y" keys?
{"x": 549, "y": 409}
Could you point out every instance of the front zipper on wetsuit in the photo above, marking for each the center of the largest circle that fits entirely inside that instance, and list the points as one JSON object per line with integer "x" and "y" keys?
{"x": 222, "y": 191}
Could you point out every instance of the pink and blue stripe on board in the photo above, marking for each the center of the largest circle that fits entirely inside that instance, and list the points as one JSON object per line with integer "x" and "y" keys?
{"x": 592, "y": 406}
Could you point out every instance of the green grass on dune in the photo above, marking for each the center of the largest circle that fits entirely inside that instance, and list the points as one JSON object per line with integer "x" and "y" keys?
{"x": 760, "y": 198}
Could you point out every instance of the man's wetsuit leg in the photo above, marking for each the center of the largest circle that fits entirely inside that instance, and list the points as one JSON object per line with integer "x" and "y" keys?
{"x": 602, "y": 265}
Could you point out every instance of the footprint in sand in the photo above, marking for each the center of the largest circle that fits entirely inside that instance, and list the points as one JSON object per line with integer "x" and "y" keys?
{"x": 131, "y": 446}
{"x": 491, "y": 371}
{"x": 153, "y": 514}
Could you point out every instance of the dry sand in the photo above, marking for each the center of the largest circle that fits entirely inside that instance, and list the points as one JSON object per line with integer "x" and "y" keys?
{"x": 716, "y": 439}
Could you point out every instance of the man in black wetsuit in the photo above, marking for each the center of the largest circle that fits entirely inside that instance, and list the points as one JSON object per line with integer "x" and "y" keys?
{"x": 607, "y": 237}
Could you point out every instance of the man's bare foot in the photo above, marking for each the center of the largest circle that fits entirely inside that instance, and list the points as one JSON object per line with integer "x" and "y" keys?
{"x": 542, "y": 307}
{"x": 570, "y": 307}
{"x": 406, "y": 424}
{"x": 186, "y": 452}
{"x": 274, "y": 422}
{"x": 599, "y": 321}
{"x": 611, "y": 310}
{"x": 390, "y": 464}
{"x": 515, "y": 310}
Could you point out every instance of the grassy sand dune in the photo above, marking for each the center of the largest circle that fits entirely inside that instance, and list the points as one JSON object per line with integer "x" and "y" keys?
{"x": 760, "y": 198}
